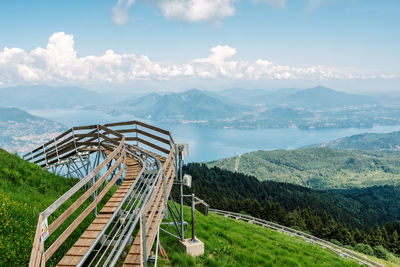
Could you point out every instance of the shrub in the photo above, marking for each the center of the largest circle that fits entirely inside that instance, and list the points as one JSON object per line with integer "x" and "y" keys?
{"x": 363, "y": 248}
{"x": 336, "y": 242}
{"x": 381, "y": 252}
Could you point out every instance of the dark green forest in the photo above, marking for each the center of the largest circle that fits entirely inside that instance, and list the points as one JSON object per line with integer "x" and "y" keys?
{"x": 366, "y": 219}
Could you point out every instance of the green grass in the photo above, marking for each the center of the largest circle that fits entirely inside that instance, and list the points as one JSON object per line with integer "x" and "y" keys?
{"x": 25, "y": 191}
{"x": 230, "y": 242}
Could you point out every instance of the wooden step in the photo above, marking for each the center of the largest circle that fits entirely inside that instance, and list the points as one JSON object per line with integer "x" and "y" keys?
{"x": 76, "y": 252}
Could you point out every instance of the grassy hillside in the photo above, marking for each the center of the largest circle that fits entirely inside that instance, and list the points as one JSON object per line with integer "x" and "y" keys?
{"x": 235, "y": 243}
{"x": 367, "y": 141}
{"x": 231, "y": 242}
{"x": 26, "y": 190}
{"x": 318, "y": 168}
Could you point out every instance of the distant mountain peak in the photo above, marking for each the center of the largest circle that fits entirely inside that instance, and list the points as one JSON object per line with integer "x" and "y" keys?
{"x": 326, "y": 97}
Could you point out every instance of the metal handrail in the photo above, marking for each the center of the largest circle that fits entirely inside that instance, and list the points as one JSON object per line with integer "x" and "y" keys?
{"x": 326, "y": 244}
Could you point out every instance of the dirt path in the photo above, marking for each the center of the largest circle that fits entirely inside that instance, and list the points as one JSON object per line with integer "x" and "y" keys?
{"x": 237, "y": 163}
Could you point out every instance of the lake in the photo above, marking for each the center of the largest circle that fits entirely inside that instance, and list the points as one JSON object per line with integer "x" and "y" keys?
{"x": 206, "y": 144}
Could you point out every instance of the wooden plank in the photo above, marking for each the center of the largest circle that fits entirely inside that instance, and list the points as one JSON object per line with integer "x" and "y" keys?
{"x": 80, "y": 218}
{"x": 91, "y": 233}
{"x": 120, "y": 123}
{"x": 82, "y": 182}
{"x": 96, "y": 227}
{"x": 88, "y": 127}
{"x": 101, "y": 220}
{"x": 108, "y": 130}
{"x": 69, "y": 261}
{"x": 84, "y": 242}
{"x": 154, "y": 128}
{"x": 111, "y": 140}
{"x": 154, "y": 210}
{"x": 166, "y": 151}
{"x": 71, "y": 209}
{"x": 155, "y": 137}
{"x": 77, "y": 251}
{"x": 170, "y": 155}
{"x": 36, "y": 252}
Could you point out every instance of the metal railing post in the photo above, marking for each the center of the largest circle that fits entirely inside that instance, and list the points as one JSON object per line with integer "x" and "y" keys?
{"x": 181, "y": 183}
{"x": 144, "y": 244}
{"x": 55, "y": 144}
{"x": 165, "y": 194}
{"x": 73, "y": 136}
{"x": 45, "y": 155}
{"x": 193, "y": 200}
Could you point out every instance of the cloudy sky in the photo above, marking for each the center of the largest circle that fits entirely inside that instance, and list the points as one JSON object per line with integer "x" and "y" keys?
{"x": 139, "y": 45}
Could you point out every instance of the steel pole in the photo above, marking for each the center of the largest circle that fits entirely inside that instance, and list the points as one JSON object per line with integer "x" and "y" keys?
{"x": 193, "y": 200}
{"x": 181, "y": 181}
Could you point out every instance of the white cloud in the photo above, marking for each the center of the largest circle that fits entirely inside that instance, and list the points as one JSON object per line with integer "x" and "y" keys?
{"x": 58, "y": 64}
{"x": 197, "y": 10}
{"x": 188, "y": 10}
{"x": 120, "y": 12}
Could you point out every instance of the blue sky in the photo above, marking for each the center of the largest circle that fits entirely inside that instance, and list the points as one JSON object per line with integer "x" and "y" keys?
{"x": 349, "y": 44}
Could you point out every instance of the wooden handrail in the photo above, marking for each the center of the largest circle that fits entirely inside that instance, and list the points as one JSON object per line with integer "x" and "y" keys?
{"x": 166, "y": 151}
{"x": 53, "y": 248}
{"x": 155, "y": 137}
{"x": 36, "y": 251}
{"x": 82, "y": 182}
{"x": 60, "y": 219}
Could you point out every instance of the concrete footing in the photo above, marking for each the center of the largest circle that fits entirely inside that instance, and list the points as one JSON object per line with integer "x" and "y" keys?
{"x": 193, "y": 247}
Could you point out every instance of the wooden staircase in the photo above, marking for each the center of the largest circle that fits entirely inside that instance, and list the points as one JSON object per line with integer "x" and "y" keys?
{"x": 154, "y": 211}
{"x": 76, "y": 252}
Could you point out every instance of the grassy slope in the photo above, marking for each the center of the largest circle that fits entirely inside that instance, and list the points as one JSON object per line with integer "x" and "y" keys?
{"x": 235, "y": 243}
{"x": 319, "y": 168}
{"x": 26, "y": 190}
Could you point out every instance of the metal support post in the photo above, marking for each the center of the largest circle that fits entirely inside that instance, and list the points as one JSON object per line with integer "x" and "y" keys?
{"x": 157, "y": 246}
{"x": 165, "y": 194}
{"x": 73, "y": 136}
{"x": 144, "y": 240}
{"x": 193, "y": 203}
{"x": 181, "y": 184}
{"x": 45, "y": 155}
{"x": 94, "y": 198}
{"x": 55, "y": 144}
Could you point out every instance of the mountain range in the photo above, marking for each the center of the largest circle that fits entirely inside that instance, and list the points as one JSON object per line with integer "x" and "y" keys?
{"x": 313, "y": 108}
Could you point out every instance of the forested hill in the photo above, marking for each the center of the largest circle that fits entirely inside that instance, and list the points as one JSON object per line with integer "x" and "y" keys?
{"x": 367, "y": 141}
{"x": 364, "y": 215}
{"x": 318, "y": 168}
{"x": 363, "y": 207}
